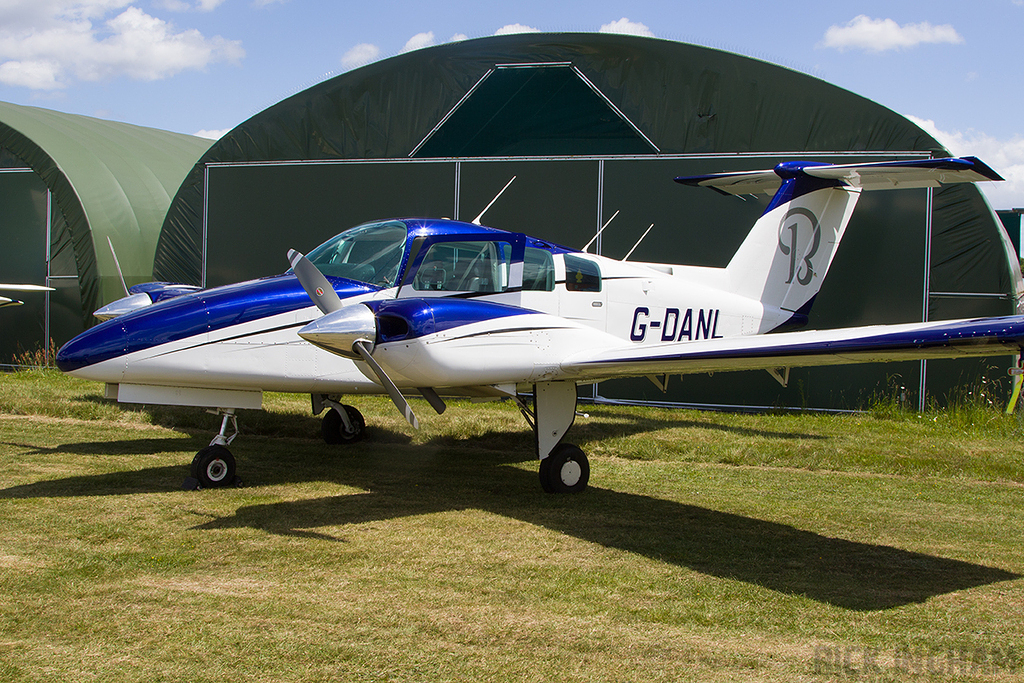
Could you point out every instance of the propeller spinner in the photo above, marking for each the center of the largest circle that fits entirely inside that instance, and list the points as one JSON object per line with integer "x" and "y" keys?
{"x": 348, "y": 331}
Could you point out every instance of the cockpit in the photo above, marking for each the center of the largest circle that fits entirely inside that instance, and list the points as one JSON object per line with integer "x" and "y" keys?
{"x": 477, "y": 266}
{"x": 438, "y": 257}
{"x": 370, "y": 253}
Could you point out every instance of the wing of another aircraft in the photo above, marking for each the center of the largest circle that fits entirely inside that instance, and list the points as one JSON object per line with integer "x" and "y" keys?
{"x": 5, "y": 301}
{"x": 876, "y": 343}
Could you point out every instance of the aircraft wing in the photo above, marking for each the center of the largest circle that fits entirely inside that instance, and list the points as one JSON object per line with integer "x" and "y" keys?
{"x": 7, "y": 301}
{"x": 877, "y": 343}
{"x": 883, "y": 175}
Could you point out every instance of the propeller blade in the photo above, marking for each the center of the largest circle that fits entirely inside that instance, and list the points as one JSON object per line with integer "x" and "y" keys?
{"x": 396, "y": 396}
{"x": 435, "y": 401}
{"x": 313, "y": 281}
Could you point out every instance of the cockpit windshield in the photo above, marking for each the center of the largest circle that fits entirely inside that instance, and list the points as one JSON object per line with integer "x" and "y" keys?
{"x": 370, "y": 253}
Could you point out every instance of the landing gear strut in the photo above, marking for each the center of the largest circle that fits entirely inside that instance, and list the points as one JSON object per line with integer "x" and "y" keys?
{"x": 564, "y": 468}
{"x": 214, "y": 466}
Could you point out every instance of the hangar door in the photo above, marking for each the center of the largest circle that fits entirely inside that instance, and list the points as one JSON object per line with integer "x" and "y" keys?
{"x": 255, "y": 212}
{"x": 36, "y": 251}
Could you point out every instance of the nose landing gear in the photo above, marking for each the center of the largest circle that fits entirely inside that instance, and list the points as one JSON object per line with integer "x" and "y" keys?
{"x": 214, "y": 466}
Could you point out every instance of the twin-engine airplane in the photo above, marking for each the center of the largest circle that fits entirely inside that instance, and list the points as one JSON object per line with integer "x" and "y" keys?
{"x": 447, "y": 308}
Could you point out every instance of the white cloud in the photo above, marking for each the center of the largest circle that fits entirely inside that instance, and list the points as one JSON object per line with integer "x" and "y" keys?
{"x": 419, "y": 41}
{"x": 879, "y": 35}
{"x": 38, "y": 75}
{"x": 1006, "y": 157}
{"x": 185, "y": 6}
{"x": 458, "y": 38}
{"x": 628, "y": 27}
{"x": 515, "y": 28}
{"x": 211, "y": 134}
{"x": 361, "y": 54}
{"x": 47, "y": 44}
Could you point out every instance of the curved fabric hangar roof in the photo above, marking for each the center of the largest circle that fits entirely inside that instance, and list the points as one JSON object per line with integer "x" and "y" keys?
{"x": 683, "y": 99}
{"x": 108, "y": 179}
{"x": 649, "y": 109}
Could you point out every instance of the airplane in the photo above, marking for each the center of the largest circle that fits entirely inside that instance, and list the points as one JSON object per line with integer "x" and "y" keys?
{"x": 444, "y": 308}
{"x": 7, "y": 301}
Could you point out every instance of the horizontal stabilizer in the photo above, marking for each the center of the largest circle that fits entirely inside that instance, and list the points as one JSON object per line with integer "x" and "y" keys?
{"x": 885, "y": 175}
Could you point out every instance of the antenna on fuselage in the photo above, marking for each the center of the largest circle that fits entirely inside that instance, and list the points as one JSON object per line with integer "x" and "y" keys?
{"x": 587, "y": 245}
{"x": 476, "y": 221}
{"x": 628, "y": 254}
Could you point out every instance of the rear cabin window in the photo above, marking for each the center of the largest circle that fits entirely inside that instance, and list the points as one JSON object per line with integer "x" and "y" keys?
{"x": 465, "y": 267}
{"x": 581, "y": 275}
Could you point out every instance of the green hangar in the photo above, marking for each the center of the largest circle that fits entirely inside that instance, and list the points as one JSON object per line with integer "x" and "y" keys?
{"x": 68, "y": 184}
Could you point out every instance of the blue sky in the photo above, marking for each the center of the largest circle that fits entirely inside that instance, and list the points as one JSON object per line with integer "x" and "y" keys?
{"x": 204, "y": 66}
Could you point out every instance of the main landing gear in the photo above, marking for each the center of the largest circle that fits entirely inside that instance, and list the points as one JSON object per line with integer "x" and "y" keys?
{"x": 214, "y": 466}
{"x": 564, "y": 468}
{"x": 342, "y": 424}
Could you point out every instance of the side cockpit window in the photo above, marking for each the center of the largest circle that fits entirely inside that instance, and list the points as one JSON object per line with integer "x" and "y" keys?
{"x": 465, "y": 267}
{"x": 538, "y": 271}
{"x": 581, "y": 275}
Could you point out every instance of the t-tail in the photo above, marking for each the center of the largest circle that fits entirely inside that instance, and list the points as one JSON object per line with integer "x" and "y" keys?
{"x": 786, "y": 256}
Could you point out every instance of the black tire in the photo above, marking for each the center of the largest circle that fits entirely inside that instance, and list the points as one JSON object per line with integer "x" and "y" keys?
{"x": 214, "y": 467}
{"x": 566, "y": 470}
{"x": 333, "y": 429}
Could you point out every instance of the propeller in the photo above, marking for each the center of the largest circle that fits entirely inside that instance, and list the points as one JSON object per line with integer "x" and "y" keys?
{"x": 314, "y": 282}
{"x": 355, "y": 322}
{"x": 363, "y": 349}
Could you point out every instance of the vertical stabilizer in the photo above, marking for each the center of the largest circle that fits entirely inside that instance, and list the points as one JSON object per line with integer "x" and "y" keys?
{"x": 785, "y": 257}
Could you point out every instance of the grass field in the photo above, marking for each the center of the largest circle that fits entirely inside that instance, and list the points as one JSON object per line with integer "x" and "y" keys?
{"x": 710, "y": 547}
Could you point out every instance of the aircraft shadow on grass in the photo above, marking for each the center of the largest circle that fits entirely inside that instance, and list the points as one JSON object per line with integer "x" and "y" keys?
{"x": 849, "y": 574}
{"x": 311, "y": 464}
{"x": 429, "y": 478}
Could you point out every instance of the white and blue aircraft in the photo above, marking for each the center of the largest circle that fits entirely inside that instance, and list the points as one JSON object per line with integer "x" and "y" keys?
{"x": 445, "y": 308}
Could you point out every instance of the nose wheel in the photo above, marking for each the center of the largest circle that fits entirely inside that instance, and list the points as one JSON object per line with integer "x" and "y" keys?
{"x": 214, "y": 466}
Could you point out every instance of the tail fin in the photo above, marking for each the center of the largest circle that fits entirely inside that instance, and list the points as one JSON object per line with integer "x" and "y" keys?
{"x": 785, "y": 257}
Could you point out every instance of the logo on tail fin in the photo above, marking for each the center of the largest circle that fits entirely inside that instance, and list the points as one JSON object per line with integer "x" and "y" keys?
{"x": 805, "y": 271}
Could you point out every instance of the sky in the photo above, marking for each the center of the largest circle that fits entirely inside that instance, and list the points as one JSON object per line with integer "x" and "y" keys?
{"x": 204, "y": 66}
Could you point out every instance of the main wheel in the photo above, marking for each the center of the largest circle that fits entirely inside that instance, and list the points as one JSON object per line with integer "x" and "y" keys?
{"x": 213, "y": 467}
{"x": 565, "y": 470}
{"x": 333, "y": 428}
